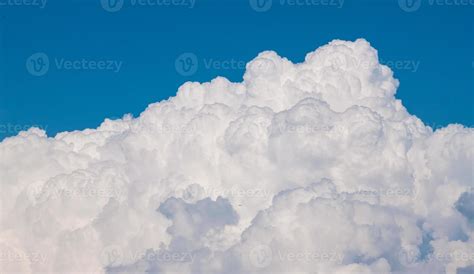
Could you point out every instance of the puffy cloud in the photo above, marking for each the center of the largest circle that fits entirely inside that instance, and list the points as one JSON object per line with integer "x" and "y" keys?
{"x": 301, "y": 168}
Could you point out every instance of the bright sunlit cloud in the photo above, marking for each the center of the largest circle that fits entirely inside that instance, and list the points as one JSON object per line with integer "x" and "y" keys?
{"x": 302, "y": 168}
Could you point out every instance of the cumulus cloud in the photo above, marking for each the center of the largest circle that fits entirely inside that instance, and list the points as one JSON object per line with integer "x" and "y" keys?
{"x": 313, "y": 167}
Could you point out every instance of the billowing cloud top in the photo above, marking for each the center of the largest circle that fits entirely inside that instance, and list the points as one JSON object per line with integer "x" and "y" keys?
{"x": 302, "y": 168}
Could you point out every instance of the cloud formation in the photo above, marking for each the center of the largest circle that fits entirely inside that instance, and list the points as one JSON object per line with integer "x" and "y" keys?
{"x": 313, "y": 167}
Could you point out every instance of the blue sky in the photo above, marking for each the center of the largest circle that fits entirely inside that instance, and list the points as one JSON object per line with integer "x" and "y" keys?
{"x": 133, "y": 53}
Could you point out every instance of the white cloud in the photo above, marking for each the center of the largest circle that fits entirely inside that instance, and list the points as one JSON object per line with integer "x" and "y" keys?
{"x": 302, "y": 168}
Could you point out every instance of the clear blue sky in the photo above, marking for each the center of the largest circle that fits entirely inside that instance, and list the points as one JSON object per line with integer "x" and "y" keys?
{"x": 434, "y": 44}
